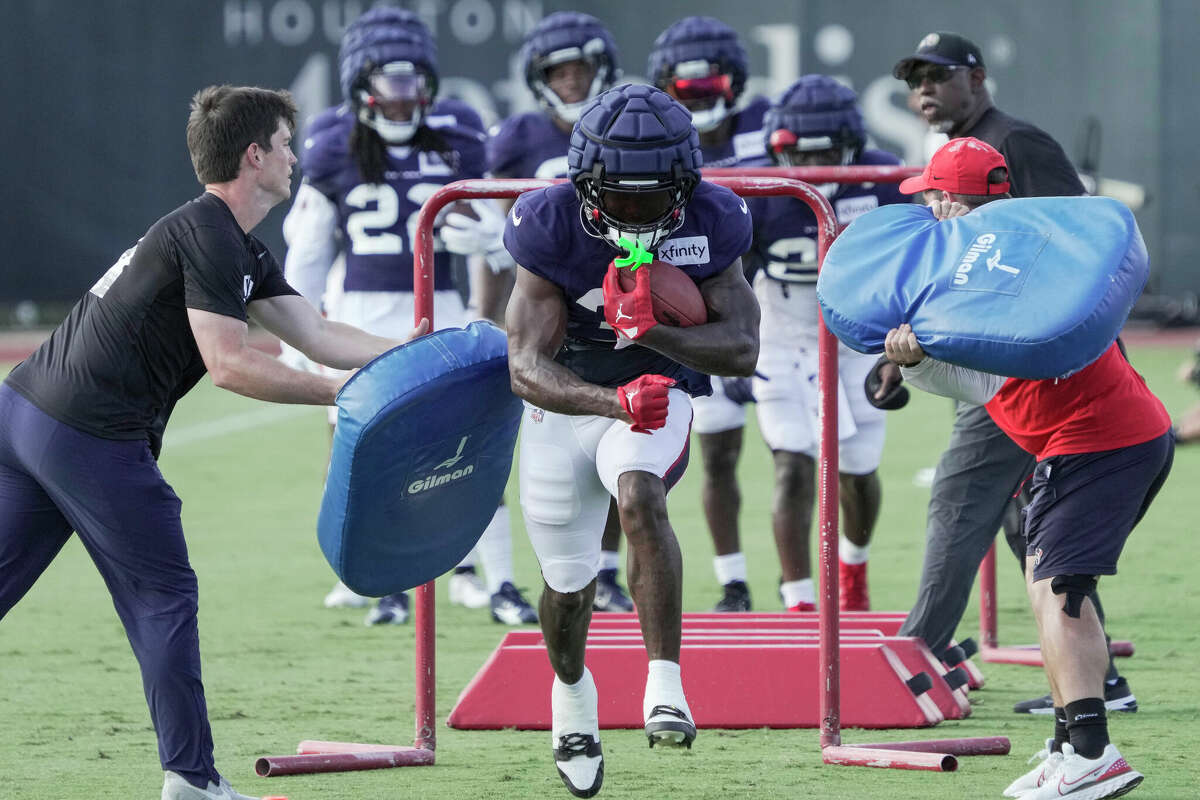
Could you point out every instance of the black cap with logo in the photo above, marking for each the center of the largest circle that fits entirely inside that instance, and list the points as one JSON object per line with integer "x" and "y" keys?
{"x": 948, "y": 49}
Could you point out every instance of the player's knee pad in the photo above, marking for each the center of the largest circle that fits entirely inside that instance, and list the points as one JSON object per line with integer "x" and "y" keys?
{"x": 1076, "y": 588}
{"x": 565, "y": 576}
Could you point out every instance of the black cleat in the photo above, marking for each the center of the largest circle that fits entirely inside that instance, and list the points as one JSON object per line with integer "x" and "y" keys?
{"x": 580, "y": 762}
{"x": 1117, "y": 697}
{"x": 735, "y": 599}
{"x": 610, "y": 595}
{"x": 668, "y": 725}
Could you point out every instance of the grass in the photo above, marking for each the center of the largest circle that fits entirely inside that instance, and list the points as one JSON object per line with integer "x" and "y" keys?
{"x": 278, "y": 668}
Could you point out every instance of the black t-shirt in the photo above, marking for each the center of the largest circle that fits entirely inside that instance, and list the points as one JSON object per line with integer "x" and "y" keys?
{"x": 125, "y": 354}
{"x": 1037, "y": 165}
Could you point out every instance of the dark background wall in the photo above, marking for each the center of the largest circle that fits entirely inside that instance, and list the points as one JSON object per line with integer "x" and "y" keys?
{"x": 96, "y": 95}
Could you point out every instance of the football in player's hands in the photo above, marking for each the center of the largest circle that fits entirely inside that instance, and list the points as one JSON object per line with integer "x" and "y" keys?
{"x": 675, "y": 297}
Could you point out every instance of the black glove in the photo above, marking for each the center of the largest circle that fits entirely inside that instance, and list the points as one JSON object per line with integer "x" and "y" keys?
{"x": 739, "y": 390}
{"x": 896, "y": 398}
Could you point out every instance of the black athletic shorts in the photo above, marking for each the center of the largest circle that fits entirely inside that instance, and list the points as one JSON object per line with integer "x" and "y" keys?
{"x": 1084, "y": 506}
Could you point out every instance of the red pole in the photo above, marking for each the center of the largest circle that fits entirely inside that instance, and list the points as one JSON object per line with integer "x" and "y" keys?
{"x": 987, "y": 599}
{"x": 273, "y": 766}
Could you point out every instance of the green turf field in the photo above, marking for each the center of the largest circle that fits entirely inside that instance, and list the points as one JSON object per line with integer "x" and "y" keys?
{"x": 279, "y": 668}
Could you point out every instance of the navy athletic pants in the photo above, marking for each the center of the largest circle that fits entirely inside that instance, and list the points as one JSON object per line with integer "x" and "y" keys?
{"x": 55, "y": 479}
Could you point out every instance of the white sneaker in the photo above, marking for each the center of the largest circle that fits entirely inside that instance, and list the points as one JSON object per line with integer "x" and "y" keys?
{"x": 341, "y": 596}
{"x": 1048, "y": 764}
{"x": 467, "y": 589}
{"x": 575, "y": 736}
{"x": 1088, "y": 778}
{"x": 176, "y": 787}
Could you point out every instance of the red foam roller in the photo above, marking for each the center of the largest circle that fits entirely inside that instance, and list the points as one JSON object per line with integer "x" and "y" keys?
{"x": 273, "y": 766}
{"x": 888, "y": 759}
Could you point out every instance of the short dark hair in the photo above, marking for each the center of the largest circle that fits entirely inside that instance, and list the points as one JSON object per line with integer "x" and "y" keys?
{"x": 226, "y": 119}
{"x": 997, "y": 175}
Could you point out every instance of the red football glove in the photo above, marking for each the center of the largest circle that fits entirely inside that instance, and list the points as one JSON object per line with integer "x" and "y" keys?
{"x": 645, "y": 399}
{"x": 630, "y": 313}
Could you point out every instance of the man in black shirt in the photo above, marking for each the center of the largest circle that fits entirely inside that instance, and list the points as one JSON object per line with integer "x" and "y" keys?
{"x": 981, "y": 469}
{"x": 82, "y": 419}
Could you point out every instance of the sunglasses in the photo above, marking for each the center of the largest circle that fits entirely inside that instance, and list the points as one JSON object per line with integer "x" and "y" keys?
{"x": 938, "y": 73}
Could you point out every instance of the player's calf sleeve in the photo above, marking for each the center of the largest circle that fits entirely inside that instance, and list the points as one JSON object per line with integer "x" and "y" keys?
{"x": 495, "y": 550}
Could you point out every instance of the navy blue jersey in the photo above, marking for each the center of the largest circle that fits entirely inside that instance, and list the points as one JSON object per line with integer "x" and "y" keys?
{"x": 545, "y": 236}
{"x": 528, "y": 146}
{"x": 746, "y": 137}
{"x": 785, "y": 228}
{"x": 377, "y": 220}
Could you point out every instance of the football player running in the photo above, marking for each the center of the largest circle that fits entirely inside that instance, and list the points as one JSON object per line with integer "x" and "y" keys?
{"x": 607, "y": 389}
{"x": 701, "y": 63}
{"x": 568, "y": 58}
{"x": 815, "y": 123}
{"x": 369, "y": 164}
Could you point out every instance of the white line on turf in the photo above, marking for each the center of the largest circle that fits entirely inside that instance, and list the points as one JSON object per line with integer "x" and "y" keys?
{"x": 202, "y": 431}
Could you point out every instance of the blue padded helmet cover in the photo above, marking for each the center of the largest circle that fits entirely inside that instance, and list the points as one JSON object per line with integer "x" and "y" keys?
{"x": 1033, "y": 287}
{"x": 699, "y": 39}
{"x": 381, "y": 36}
{"x": 421, "y": 455}
{"x": 817, "y": 105}
{"x": 634, "y": 130}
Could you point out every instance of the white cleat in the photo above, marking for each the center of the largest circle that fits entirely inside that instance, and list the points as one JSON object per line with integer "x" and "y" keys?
{"x": 466, "y": 589}
{"x": 341, "y": 596}
{"x": 176, "y": 787}
{"x": 1082, "y": 778}
{"x": 1048, "y": 763}
{"x": 575, "y": 736}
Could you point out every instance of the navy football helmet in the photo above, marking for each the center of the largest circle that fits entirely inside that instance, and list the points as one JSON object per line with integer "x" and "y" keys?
{"x": 816, "y": 113}
{"x": 562, "y": 37}
{"x": 635, "y": 161}
{"x": 700, "y": 62}
{"x": 388, "y": 63}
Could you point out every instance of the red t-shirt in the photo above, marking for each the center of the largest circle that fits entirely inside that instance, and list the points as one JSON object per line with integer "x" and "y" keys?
{"x": 1104, "y": 406}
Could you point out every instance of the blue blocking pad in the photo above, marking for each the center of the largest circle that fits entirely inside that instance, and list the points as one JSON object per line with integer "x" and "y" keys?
{"x": 421, "y": 455}
{"x": 1032, "y": 287}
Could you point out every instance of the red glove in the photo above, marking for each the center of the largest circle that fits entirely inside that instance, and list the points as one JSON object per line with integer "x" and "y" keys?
{"x": 645, "y": 399}
{"x": 631, "y": 313}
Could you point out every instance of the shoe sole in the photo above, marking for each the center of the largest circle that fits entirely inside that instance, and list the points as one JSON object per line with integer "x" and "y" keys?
{"x": 1102, "y": 792}
{"x": 670, "y": 734}
{"x": 591, "y": 791}
{"x": 1127, "y": 705}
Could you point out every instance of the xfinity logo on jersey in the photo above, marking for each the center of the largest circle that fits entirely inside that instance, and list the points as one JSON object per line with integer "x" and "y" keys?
{"x": 448, "y": 470}
{"x": 998, "y": 262}
{"x": 849, "y": 209}
{"x": 685, "y": 250}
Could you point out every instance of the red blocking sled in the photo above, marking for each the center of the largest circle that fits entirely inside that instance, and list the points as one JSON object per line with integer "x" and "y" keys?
{"x": 736, "y": 670}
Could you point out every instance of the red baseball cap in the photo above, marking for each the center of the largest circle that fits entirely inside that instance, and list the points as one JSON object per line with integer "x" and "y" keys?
{"x": 960, "y": 166}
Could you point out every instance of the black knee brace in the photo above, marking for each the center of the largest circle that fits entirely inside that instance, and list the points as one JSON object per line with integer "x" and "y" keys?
{"x": 1076, "y": 588}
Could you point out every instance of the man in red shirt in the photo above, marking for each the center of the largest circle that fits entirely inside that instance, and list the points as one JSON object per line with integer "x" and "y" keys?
{"x": 1104, "y": 448}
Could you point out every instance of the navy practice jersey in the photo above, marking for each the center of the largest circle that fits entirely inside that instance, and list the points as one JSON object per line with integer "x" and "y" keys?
{"x": 377, "y": 220}
{"x": 785, "y": 228}
{"x": 545, "y": 236}
{"x": 746, "y": 137}
{"x": 528, "y": 145}
{"x": 125, "y": 354}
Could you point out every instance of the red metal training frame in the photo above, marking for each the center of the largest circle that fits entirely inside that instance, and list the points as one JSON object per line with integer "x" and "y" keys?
{"x": 938, "y": 755}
